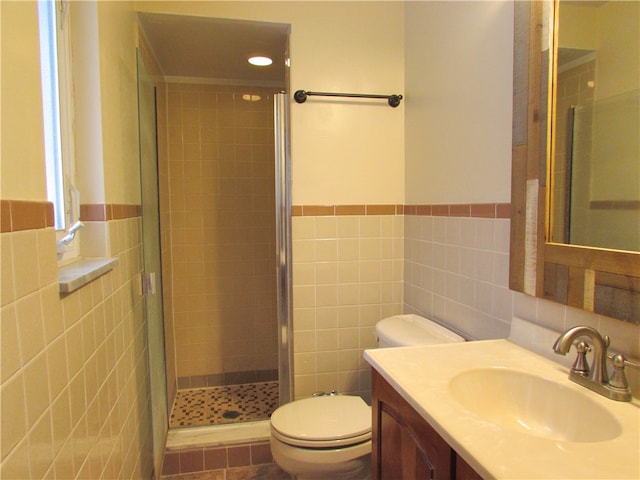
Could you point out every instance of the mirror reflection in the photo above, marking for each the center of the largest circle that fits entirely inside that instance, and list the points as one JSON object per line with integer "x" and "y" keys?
{"x": 595, "y": 191}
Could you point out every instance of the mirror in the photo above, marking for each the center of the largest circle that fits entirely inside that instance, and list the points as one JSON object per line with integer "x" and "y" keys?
{"x": 595, "y": 167}
{"x": 604, "y": 280}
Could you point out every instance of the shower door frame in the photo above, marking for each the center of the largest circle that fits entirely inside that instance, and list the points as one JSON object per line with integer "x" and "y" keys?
{"x": 284, "y": 290}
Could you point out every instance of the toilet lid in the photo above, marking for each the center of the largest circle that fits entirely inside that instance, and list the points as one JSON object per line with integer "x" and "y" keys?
{"x": 323, "y": 421}
{"x": 410, "y": 329}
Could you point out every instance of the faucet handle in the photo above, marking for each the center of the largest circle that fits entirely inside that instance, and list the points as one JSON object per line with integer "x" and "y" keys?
{"x": 618, "y": 378}
{"x": 580, "y": 365}
{"x": 625, "y": 361}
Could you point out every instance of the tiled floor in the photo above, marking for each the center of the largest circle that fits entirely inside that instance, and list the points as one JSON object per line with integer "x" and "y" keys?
{"x": 225, "y": 404}
{"x": 253, "y": 472}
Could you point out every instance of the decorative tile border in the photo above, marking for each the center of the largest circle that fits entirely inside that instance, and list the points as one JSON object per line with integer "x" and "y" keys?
{"x": 229, "y": 378}
{"x": 17, "y": 215}
{"x": 338, "y": 210}
{"x": 109, "y": 211}
{"x": 475, "y": 210}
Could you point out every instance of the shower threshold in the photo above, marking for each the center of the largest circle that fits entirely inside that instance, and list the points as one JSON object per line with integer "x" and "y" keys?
{"x": 218, "y": 435}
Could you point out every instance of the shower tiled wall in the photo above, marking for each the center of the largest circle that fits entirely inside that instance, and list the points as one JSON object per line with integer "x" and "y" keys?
{"x": 347, "y": 275}
{"x": 222, "y": 230}
{"x": 75, "y": 394}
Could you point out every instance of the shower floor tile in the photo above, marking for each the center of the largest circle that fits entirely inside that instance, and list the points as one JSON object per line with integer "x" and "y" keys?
{"x": 225, "y": 404}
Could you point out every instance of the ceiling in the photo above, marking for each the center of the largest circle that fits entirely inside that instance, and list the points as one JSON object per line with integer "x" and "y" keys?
{"x": 216, "y": 49}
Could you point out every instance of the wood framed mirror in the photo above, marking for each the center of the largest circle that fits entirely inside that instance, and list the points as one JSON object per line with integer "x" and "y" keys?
{"x": 602, "y": 280}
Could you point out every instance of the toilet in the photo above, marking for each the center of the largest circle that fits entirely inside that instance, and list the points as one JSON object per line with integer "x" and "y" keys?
{"x": 329, "y": 436}
{"x": 410, "y": 329}
{"x": 323, "y": 437}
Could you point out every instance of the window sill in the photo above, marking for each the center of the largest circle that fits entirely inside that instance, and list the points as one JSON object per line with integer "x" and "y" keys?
{"x": 75, "y": 275}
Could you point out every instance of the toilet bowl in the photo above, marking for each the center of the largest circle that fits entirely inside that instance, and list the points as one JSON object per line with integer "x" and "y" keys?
{"x": 330, "y": 436}
{"x": 323, "y": 437}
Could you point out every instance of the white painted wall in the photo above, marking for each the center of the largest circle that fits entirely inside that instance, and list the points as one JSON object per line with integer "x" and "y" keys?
{"x": 22, "y": 175}
{"x": 342, "y": 153}
{"x": 459, "y": 75}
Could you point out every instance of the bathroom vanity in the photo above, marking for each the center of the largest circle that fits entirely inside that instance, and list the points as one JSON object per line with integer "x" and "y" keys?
{"x": 405, "y": 445}
{"x": 493, "y": 409}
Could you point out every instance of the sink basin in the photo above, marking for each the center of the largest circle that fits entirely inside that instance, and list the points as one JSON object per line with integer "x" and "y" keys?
{"x": 530, "y": 404}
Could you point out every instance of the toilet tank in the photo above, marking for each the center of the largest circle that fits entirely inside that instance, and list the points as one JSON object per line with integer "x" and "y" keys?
{"x": 410, "y": 329}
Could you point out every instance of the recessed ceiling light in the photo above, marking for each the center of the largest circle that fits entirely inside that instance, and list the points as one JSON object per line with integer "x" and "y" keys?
{"x": 260, "y": 61}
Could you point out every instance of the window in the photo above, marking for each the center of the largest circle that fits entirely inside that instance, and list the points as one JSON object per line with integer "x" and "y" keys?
{"x": 55, "y": 64}
{"x": 57, "y": 99}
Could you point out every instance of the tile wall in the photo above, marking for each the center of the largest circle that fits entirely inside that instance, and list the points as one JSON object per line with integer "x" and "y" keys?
{"x": 456, "y": 269}
{"x": 347, "y": 275}
{"x": 222, "y": 235}
{"x": 74, "y": 371}
{"x": 215, "y": 460}
{"x": 446, "y": 262}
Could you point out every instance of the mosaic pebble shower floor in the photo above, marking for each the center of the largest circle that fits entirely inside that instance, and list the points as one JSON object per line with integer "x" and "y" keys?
{"x": 224, "y": 404}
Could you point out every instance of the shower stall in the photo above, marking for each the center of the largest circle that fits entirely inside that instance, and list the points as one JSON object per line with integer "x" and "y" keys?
{"x": 224, "y": 233}
{"x": 223, "y": 252}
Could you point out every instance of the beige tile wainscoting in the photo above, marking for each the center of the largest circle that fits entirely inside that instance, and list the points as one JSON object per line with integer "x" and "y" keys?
{"x": 356, "y": 264}
{"x": 75, "y": 387}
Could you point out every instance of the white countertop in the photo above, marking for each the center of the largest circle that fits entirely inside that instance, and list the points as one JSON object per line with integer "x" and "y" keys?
{"x": 422, "y": 374}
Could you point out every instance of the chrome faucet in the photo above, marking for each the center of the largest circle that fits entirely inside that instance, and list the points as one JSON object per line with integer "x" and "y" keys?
{"x": 596, "y": 378}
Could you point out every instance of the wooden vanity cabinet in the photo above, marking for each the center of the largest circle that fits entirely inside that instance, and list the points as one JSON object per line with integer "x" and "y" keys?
{"x": 405, "y": 446}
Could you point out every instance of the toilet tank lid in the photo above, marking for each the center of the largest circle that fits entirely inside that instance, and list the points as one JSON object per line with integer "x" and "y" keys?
{"x": 323, "y": 418}
{"x": 411, "y": 329}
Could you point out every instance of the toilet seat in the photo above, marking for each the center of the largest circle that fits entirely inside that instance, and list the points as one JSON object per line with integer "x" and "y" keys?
{"x": 323, "y": 422}
{"x": 338, "y": 443}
